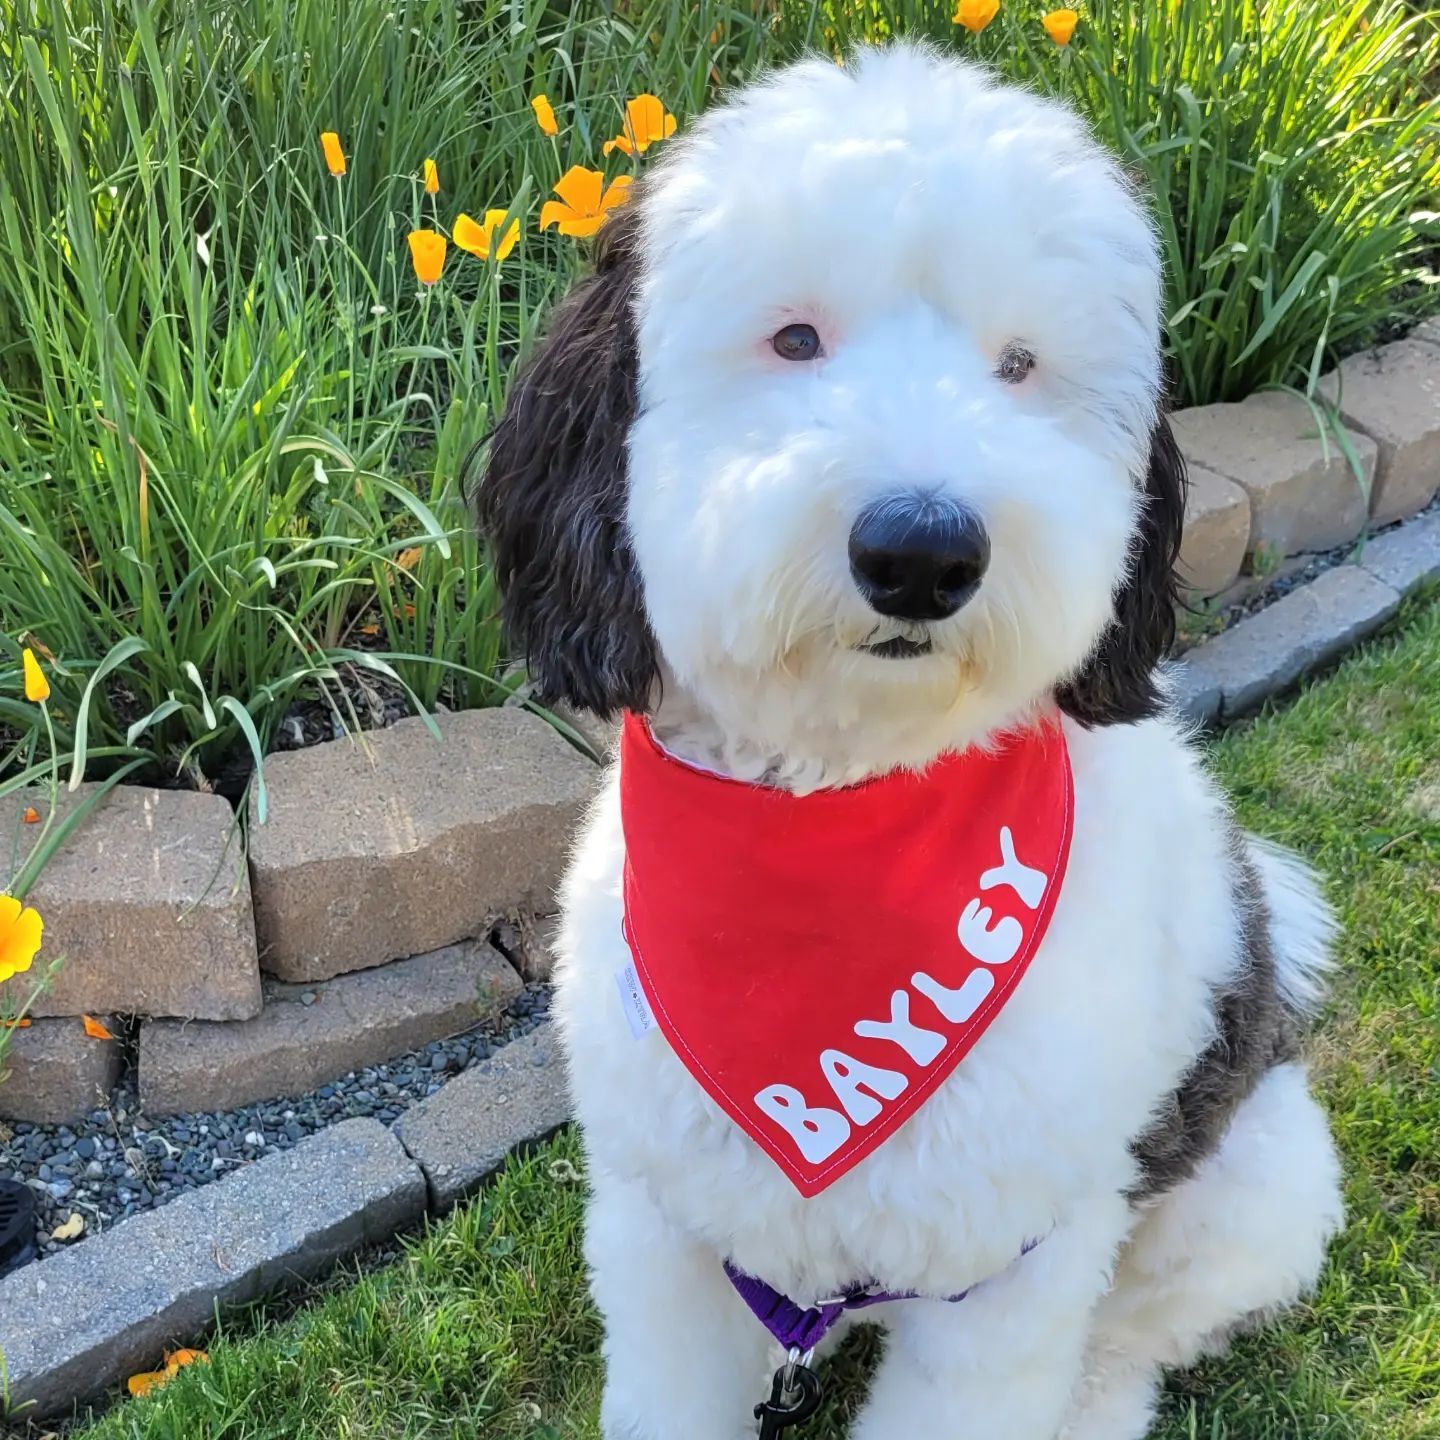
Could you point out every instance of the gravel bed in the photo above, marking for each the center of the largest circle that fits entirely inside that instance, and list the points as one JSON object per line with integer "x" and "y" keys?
{"x": 120, "y": 1161}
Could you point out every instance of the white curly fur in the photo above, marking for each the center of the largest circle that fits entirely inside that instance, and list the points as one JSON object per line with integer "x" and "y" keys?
{"x": 923, "y": 217}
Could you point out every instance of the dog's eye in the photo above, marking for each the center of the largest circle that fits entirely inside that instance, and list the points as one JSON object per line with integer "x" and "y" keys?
{"x": 796, "y": 342}
{"x": 1016, "y": 362}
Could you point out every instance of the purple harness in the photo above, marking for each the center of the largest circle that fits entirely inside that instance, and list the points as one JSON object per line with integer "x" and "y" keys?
{"x": 795, "y": 1391}
{"x": 803, "y": 1329}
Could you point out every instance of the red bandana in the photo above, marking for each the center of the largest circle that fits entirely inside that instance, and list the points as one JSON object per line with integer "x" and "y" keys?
{"x": 821, "y": 963}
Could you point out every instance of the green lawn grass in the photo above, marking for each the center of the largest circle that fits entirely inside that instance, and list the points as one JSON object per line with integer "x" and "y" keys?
{"x": 483, "y": 1328}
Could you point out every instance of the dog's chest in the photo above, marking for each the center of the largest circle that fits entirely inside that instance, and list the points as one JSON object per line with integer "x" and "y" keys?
{"x": 1040, "y": 1113}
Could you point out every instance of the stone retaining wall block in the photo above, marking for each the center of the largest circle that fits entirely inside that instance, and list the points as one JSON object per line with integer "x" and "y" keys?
{"x": 1217, "y": 532}
{"x": 305, "y": 1037}
{"x": 148, "y": 903}
{"x": 57, "y": 1073}
{"x": 1392, "y": 394}
{"x": 397, "y": 843}
{"x": 1303, "y": 494}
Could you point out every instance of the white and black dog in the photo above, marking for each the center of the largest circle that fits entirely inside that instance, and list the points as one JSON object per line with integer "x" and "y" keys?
{"x": 849, "y": 457}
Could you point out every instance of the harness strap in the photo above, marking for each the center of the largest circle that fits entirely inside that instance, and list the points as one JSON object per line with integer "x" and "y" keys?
{"x": 798, "y": 1328}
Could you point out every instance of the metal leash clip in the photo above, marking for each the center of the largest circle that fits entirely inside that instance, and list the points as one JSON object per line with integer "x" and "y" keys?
{"x": 794, "y": 1396}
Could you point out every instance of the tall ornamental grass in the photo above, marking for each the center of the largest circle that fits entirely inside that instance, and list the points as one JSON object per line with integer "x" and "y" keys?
{"x": 232, "y": 422}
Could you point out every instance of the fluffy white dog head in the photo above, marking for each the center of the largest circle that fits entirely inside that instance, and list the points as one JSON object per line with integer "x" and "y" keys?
{"x": 855, "y": 426}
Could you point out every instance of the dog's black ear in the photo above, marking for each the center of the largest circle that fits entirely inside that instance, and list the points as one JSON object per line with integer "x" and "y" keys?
{"x": 1116, "y": 685}
{"x": 552, "y": 495}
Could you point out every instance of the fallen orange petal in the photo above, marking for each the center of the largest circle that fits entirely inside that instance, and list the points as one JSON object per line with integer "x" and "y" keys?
{"x": 14, "y": 1024}
{"x": 94, "y": 1029}
{"x": 178, "y": 1359}
{"x": 31, "y": 816}
{"x": 408, "y": 559}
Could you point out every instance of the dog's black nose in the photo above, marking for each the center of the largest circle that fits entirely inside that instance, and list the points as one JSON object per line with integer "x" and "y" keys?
{"x": 915, "y": 557}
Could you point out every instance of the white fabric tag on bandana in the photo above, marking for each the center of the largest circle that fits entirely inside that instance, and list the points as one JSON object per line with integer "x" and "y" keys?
{"x": 633, "y": 1002}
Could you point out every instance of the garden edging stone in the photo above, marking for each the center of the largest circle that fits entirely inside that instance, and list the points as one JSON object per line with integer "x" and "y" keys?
{"x": 305, "y": 1037}
{"x": 1407, "y": 557}
{"x": 78, "y": 1322}
{"x": 1194, "y": 692}
{"x": 461, "y": 1136}
{"x": 1268, "y": 651}
{"x": 399, "y": 843}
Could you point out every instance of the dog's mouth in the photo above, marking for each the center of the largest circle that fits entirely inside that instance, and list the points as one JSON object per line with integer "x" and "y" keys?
{"x": 899, "y": 647}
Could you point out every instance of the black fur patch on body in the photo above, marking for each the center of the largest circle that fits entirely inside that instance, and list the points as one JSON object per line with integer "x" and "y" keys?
{"x": 1256, "y": 1029}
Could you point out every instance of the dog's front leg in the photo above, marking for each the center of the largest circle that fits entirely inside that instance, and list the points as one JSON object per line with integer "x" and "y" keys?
{"x": 683, "y": 1356}
{"x": 1002, "y": 1363}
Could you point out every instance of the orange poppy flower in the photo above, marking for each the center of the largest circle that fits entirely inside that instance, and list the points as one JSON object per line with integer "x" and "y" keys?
{"x": 432, "y": 178}
{"x": 646, "y": 121}
{"x": 20, "y": 932}
{"x": 1060, "y": 25}
{"x": 975, "y": 15}
{"x": 37, "y": 687}
{"x": 544, "y": 115}
{"x": 427, "y": 254}
{"x": 585, "y": 201}
{"x": 470, "y": 235}
{"x": 334, "y": 155}
{"x": 31, "y": 815}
